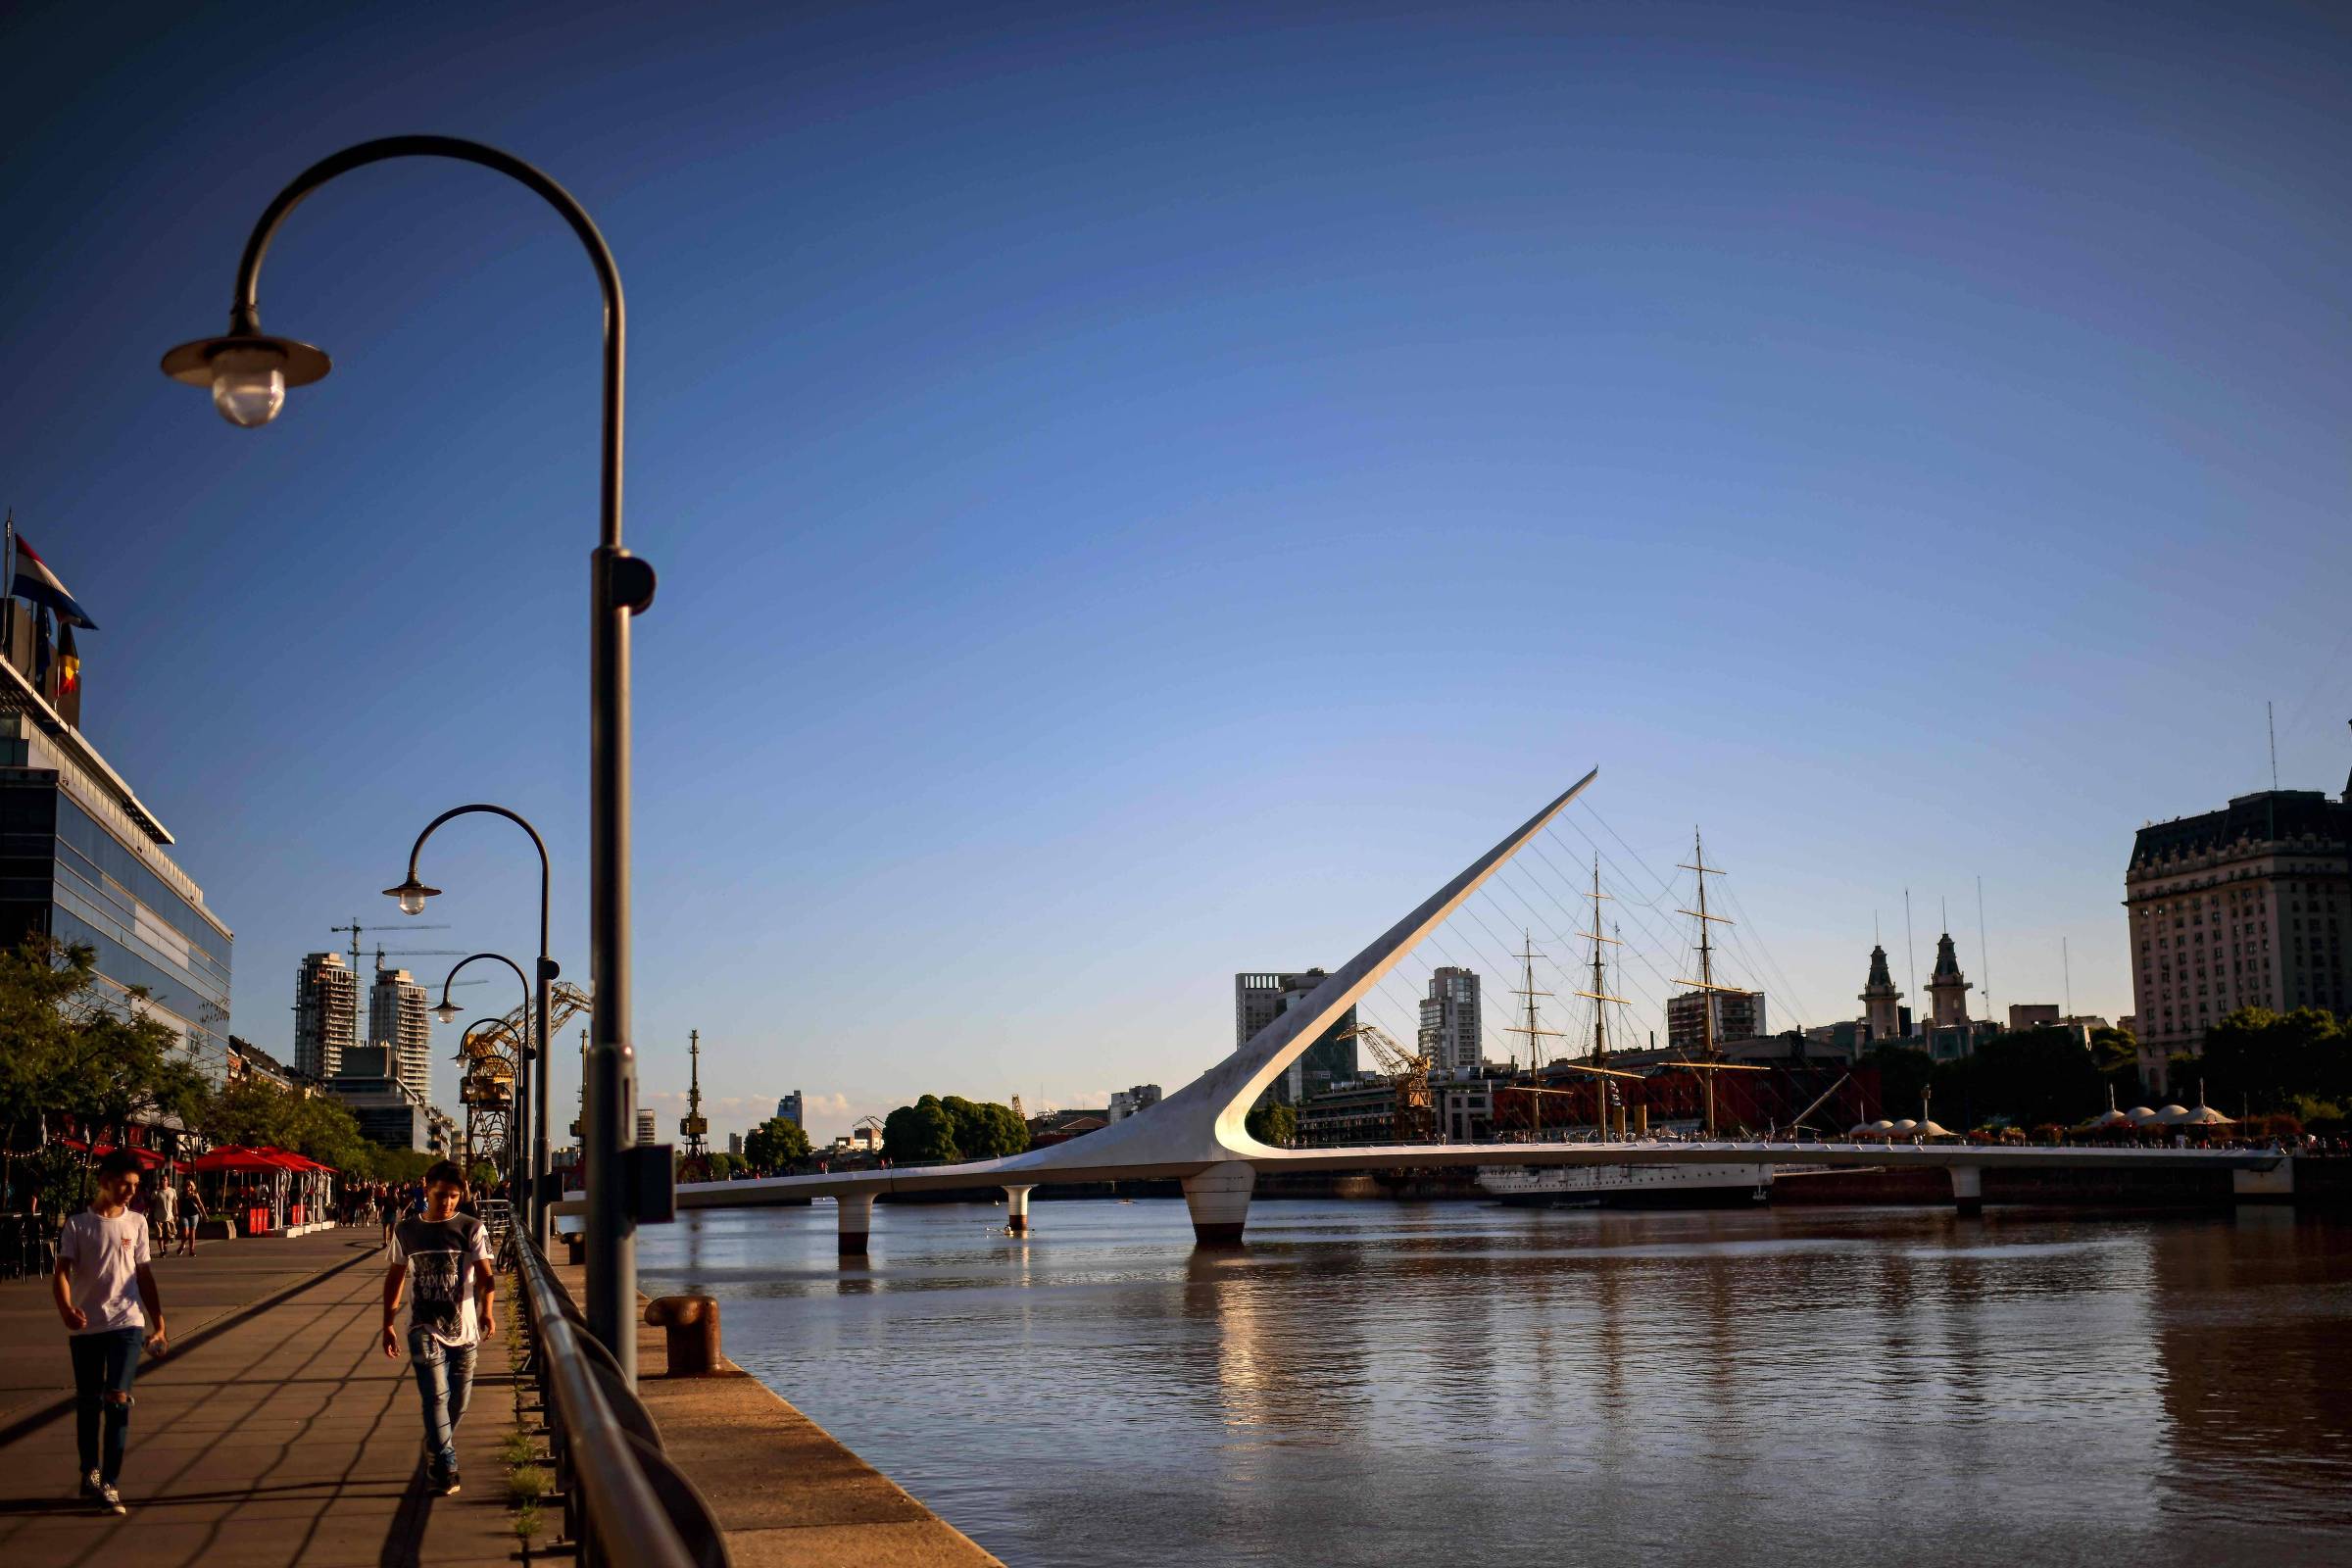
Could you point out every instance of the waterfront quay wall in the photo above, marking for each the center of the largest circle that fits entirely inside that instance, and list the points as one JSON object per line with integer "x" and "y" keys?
{"x": 786, "y": 1493}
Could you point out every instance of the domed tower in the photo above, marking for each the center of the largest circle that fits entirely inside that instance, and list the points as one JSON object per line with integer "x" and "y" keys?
{"x": 1881, "y": 1002}
{"x": 1948, "y": 987}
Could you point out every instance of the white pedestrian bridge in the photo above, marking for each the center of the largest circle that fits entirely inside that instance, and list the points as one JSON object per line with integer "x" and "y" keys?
{"x": 1195, "y": 1135}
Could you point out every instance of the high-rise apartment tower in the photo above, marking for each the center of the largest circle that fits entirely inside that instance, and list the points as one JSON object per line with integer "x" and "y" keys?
{"x": 326, "y": 1014}
{"x": 1450, "y": 1023}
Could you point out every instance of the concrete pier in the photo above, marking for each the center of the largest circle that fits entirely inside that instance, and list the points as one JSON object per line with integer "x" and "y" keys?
{"x": 1219, "y": 1200}
{"x": 1968, "y": 1189}
{"x": 856, "y": 1221}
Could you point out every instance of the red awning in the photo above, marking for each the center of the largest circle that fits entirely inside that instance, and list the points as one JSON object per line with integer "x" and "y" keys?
{"x": 232, "y": 1158}
{"x": 293, "y": 1162}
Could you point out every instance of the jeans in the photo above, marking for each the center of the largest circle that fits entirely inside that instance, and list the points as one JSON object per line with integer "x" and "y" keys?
{"x": 444, "y": 1383}
{"x": 104, "y": 1365}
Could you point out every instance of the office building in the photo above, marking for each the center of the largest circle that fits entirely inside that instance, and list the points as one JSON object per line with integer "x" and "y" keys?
{"x": 327, "y": 1013}
{"x": 1450, "y": 1023}
{"x": 735, "y": 1145}
{"x": 397, "y": 1017}
{"x": 387, "y": 1111}
{"x": 789, "y": 1107}
{"x": 1259, "y": 997}
{"x": 1125, "y": 1103}
{"x": 2245, "y": 906}
{"x": 84, "y": 862}
{"x": 1737, "y": 1015}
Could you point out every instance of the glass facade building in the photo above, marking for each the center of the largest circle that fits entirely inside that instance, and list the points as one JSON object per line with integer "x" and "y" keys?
{"x": 82, "y": 860}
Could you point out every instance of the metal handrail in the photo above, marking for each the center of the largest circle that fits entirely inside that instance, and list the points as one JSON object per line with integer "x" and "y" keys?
{"x": 624, "y": 1518}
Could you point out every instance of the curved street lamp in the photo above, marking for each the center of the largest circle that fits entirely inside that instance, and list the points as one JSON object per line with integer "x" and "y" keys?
{"x": 248, "y": 373}
{"x": 446, "y": 1012}
{"x": 532, "y": 1067}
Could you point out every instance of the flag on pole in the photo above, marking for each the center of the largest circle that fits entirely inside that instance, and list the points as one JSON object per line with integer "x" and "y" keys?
{"x": 36, "y": 582}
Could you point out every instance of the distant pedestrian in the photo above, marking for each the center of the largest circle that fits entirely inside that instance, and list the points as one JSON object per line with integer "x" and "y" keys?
{"x": 105, "y": 1291}
{"x": 388, "y": 1210}
{"x": 444, "y": 1257}
{"x": 166, "y": 1212}
{"x": 191, "y": 1214}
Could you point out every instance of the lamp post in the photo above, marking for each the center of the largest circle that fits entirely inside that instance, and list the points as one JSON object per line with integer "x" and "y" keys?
{"x": 517, "y": 1150}
{"x": 531, "y": 1069}
{"x": 248, "y": 374}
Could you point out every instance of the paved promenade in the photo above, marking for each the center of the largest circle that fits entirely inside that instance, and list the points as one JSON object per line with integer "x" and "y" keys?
{"x": 275, "y": 1433}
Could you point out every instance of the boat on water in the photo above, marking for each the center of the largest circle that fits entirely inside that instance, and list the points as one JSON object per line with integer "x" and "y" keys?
{"x": 1629, "y": 1186}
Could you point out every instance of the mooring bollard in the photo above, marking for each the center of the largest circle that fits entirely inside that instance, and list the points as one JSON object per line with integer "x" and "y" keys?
{"x": 690, "y": 1323}
{"x": 575, "y": 1248}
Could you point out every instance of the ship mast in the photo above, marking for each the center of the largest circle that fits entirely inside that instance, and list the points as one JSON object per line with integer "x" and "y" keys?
{"x": 1600, "y": 999}
{"x": 1710, "y": 1053}
{"x": 1533, "y": 1031}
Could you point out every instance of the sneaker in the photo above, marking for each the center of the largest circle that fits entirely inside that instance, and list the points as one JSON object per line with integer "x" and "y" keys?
{"x": 89, "y": 1486}
{"x": 110, "y": 1499}
{"x": 449, "y": 1482}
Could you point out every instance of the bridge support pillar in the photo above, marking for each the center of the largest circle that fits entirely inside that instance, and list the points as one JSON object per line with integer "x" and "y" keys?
{"x": 857, "y": 1216}
{"x": 2274, "y": 1185}
{"x": 1968, "y": 1189}
{"x": 1016, "y": 1209}
{"x": 1219, "y": 1199}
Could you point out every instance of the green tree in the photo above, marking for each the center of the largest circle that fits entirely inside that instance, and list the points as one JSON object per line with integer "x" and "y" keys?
{"x": 1271, "y": 1122}
{"x": 776, "y": 1144}
{"x": 984, "y": 1130}
{"x": 923, "y": 1133}
{"x": 2267, "y": 1061}
{"x": 67, "y": 1047}
{"x": 2032, "y": 1077}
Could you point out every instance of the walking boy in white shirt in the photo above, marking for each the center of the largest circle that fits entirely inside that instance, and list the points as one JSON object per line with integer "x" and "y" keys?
{"x": 106, "y": 1294}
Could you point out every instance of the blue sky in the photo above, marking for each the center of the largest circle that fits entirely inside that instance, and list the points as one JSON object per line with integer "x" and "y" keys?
{"x": 1143, "y": 493}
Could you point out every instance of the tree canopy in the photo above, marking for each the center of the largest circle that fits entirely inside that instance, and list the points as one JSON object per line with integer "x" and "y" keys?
{"x": 2298, "y": 1062}
{"x": 1271, "y": 1122}
{"x": 936, "y": 1131}
{"x": 65, "y": 1047}
{"x": 774, "y": 1143}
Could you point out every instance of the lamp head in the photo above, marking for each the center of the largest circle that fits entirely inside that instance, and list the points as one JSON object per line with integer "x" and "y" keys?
{"x": 411, "y": 895}
{"x": 248, "y": 373}
{"x": 447, "y": 1012}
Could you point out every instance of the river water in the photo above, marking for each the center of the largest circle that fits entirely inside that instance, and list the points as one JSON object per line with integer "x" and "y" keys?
{"x": 1370, "y": 1382}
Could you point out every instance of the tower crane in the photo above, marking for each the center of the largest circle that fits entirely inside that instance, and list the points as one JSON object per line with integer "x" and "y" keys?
{"x": 1413, "y": 1120}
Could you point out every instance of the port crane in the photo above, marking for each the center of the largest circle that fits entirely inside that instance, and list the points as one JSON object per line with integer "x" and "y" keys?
{"x": 1413, "y": 1119}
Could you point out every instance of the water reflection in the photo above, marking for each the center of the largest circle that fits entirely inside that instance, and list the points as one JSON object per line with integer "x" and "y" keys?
{"x": 1372, "y": 1383}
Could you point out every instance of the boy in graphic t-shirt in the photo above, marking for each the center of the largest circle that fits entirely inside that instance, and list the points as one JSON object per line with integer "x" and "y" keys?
{"x": 444, "y": 1259}
{"x": 106, "y": 1294}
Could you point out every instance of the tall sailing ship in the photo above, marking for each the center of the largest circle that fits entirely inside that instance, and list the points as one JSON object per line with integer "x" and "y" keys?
{"x": 1628, "y": 1186}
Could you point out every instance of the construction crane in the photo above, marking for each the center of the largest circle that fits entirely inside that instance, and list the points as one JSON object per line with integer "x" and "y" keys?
{"x": 1413, "y": 1120}
{"x": 355, "y": 928}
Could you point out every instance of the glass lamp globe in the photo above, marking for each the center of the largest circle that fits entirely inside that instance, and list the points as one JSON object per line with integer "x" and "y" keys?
{"x": 249, "y": 384}
{"x": 411, "y": 900}
{"x": 447, "y": 1012}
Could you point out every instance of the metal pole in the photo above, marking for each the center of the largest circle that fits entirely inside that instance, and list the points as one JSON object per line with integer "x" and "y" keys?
{"x": 620, "y": 586}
